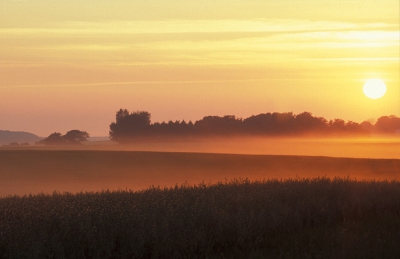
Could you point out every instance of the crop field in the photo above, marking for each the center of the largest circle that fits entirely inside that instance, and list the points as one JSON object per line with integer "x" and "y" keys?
{"x": 298, "y": 218}
{"x": 35, "y": 171}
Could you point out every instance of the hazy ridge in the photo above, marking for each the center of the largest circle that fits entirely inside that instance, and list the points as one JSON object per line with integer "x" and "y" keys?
{"x": 7, "y": 137}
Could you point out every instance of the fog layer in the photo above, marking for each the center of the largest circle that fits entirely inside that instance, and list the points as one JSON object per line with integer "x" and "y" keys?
{"x": 35, "y": 171}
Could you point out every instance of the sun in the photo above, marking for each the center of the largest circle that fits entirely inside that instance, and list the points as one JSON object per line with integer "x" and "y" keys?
{"x": 374, "y": 88}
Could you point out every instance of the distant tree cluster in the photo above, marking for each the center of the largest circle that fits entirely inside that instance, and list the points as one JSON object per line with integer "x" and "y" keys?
{"x": 388, "y": 125}
{"x": 129, "y": 126}
{"x": 72, "y": 137}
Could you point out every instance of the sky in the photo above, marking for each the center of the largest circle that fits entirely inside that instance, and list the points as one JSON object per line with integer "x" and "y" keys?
{"x": 72, "y": 64}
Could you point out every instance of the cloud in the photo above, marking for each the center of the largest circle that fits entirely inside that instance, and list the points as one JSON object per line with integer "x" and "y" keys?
{"x": 212, "y": 42}
{"x": 191, "y": 26}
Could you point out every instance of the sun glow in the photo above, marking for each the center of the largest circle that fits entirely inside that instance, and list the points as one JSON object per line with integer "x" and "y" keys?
{"x": 374, "y": 88}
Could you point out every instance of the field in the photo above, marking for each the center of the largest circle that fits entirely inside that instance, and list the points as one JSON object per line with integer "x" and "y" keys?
{"x": 35, "y": 171}
{"x": 97, "y": 202}
{"x": 308, "y": 218}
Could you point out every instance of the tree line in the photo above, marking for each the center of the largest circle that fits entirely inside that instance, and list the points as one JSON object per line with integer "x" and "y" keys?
{"x": 72, "y": 137}
{"x": 130, "y": 126}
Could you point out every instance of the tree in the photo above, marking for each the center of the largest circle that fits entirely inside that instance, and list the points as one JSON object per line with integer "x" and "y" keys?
{"x": 306, "y": 123}
{"x": 73, "y": 137}
{"x": 367, "y": 126}
{"x": 215, "y": 125}
{"x": 129, "y": 125}
{"x": 54, "y": 139}
{"x": 337, "y": 125}
{"x": 76, "y": 137}
{"x": 388, "y": 125}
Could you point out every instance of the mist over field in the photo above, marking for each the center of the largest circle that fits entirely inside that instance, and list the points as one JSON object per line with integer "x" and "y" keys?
{"x": 361, "y": 147}
{"x": 355, "y": 147}
{"x": 104, "y": 165}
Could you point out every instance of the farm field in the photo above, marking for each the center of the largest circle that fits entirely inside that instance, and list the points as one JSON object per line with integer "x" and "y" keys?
{"x": 96, "y": 201}
{"x": 300, "y": 218}
{"x": 372, "y": 147}
{"x": 35, "y": 171}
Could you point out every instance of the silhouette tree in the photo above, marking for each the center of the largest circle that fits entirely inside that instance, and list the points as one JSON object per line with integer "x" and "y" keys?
{"x": 54, "y": 139}
{"x": 270, "y": 124}
{"x": 76, "y": 137}
{"x": 388, "y": 125}
{"x": 337, "y": 125}
{"x": 306, "y": 123}
{"x": 215, "y": 125}
{"x": 354, "y": 127}
{"x": 367, "y": 126}
{"x": 127, "y": 125}
{"x": 73, "y": 137}
{"x": 133, "y": 126}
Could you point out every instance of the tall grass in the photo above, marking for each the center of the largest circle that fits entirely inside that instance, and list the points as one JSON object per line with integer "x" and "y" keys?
{"x": 298, "y": 218}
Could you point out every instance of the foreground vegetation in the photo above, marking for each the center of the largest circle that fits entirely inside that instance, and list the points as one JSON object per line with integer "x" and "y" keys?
{"x": 298, "y": 218}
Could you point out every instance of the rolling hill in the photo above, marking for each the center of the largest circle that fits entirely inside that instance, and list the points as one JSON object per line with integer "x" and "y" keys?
{"x": 7, "y": 137}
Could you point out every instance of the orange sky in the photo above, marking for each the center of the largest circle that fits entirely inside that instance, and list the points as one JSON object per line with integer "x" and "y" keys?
{"x": 71, "y": 65}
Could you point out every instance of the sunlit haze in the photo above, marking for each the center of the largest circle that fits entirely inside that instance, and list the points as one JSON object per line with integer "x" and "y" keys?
{"x": 72, "y": 64}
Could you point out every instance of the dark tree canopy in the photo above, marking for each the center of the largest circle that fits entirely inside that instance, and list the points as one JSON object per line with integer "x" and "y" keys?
{"x": 137, "y": 125}
{"x": 215, "y": 125}
{"x": 128, "y": 125}
{"x": 76, "y": 137}
{"x": 72, "y": 137}
{"x": 54, "y": 139}
{"x": 388, "y": 124}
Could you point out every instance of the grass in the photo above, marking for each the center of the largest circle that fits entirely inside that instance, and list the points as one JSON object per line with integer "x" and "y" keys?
{"x": 293, "y": 218}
